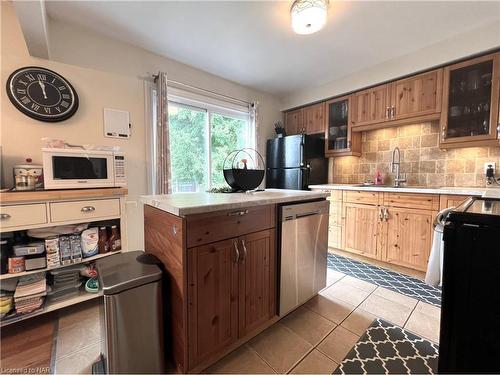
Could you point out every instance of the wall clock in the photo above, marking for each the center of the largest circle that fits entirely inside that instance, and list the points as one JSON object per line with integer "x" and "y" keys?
{"x": 42, "y": 94}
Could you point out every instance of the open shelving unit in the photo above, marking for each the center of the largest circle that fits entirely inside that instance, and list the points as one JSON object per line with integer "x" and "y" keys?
{"x": 56, "y": 208}
{"x": 53, "y": 306}
{"x": 6, "y": 276}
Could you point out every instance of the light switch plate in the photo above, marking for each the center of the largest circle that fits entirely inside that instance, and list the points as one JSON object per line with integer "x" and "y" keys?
{"x": 486, "y": 165}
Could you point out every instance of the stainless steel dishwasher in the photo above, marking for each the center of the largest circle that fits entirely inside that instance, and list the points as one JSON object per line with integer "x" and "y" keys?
{"x": 303, "y": 252}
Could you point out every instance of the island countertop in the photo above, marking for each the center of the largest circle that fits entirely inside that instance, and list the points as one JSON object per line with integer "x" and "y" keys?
{"x": 181, "y": 204}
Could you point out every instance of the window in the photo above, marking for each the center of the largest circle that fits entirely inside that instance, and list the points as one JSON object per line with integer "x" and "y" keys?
{"x": 201, "y": 136}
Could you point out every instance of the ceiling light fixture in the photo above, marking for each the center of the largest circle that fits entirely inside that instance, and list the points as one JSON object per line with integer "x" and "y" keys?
{"x": 308, "y": 16}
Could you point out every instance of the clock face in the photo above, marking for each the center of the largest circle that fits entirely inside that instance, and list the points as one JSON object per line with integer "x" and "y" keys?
{"x": 42, "y": 94}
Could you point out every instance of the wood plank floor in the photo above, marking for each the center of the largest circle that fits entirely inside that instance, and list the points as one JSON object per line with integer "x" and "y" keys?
{"x": 28, "y": 345}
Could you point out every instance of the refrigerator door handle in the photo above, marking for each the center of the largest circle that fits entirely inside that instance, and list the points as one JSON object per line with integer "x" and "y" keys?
{"x": 307, "y": 175}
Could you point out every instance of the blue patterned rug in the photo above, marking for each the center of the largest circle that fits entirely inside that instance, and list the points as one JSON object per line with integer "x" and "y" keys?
{"x": 388, "y": 349}
{"x": 409, "y": 286}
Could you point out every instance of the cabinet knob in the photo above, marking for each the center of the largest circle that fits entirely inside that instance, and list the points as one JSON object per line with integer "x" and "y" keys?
{"x": 86, "y": 209}
{"x": 5, "y": 216}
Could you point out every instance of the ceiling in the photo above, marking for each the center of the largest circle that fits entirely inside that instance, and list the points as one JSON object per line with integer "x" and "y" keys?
{"x": 251, "y": 42}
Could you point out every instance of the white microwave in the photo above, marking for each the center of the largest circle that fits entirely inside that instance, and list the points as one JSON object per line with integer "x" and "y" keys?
{"x": 77, "y": 168}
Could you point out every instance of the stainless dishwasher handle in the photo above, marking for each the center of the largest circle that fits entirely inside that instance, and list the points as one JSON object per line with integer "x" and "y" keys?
{"x": 317, "y": 212}
{"x": 237, "y": 252}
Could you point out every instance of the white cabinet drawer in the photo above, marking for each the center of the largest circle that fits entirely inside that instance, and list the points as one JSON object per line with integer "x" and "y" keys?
{"x": 23, "y": 215}
{"x": 84, "y": 210}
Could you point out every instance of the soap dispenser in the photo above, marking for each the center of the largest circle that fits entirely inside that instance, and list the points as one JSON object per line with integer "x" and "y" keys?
{"x": 490, "y": 175}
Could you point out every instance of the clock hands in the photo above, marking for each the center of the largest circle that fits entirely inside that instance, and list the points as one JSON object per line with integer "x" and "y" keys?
{"x": 42, "y": 85}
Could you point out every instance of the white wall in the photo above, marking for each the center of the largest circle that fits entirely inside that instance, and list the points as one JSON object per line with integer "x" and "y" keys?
{"x": 105, "y": 73}
{"x": 472, "y": 42}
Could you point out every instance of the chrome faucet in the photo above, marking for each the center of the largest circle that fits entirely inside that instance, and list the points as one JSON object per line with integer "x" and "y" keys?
{"x": 395, "y": 166}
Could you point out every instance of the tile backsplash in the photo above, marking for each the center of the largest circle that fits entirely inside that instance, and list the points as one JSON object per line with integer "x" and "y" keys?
{"x": 422, "y": 161}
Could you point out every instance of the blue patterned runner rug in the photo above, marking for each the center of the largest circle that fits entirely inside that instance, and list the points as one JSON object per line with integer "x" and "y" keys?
{"x": 407, "y": 285}
{"x": 388, "y": 349}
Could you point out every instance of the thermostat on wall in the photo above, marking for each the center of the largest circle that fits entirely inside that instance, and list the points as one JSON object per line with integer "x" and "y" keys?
{"x": 116, "y": 123}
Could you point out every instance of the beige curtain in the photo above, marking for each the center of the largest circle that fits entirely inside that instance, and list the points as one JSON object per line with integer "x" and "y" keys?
{"x": 253, "y": 111}
{"x": 162, "y": 184}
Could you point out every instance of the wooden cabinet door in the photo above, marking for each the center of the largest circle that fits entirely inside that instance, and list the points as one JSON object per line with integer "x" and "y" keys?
{"x": 447, "y": 201}
{"x": 257, "y": 285}
{"x": 294, "y": 122}
{"x": 314, "y": 118}
{"x": 212, "y": 299}
{"x": 409, "y": 237}
{"x": 335, "y": 236}
{"x": 417, "y": 96}
{"x": 370, "y": 106}
{"x": 361, "y": 229}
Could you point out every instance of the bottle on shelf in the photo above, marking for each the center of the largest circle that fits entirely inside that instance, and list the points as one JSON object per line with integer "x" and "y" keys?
{"x": 115, "y": 242}
{"x": 103, "y": 241}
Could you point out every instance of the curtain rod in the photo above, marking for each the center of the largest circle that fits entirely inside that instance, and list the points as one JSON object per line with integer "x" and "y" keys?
{"x": 155, "y": 77}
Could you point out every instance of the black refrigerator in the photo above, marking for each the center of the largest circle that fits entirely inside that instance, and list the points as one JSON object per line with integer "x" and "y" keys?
{"x": 296, "y": 161}
{"x": 470, "y": 307}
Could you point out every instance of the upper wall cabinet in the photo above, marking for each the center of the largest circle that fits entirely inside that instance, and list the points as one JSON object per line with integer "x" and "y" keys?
{"x": 309, "y": 120}
{"x": 314, "y": 118}
{"x": 417, "y": 96}
{"x": 469, "y": 115}
{"x": 405, "y": 101}
{"x": 340, "y": 140}
{"x": 370, "y": 107}
{"x": 293, "y": 122}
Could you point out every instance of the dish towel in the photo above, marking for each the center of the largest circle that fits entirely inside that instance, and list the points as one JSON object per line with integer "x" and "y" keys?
{"x": 434, "y": 273}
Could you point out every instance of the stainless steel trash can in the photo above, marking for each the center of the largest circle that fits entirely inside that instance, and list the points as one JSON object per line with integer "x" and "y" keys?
{"x": 131, "y": 317}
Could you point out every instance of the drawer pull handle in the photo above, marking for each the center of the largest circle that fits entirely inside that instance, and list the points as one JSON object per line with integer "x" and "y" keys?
{"x": 5, "y": 216}
{"x": 238, "y": 213}
{"x": 86, "y": 209}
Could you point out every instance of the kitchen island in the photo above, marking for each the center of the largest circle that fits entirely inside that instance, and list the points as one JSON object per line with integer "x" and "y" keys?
{"x": 220, "y": 254}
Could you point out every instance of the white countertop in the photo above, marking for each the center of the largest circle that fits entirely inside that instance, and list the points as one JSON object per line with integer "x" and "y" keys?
{"x": 492, "y": 192}
{"x": 182, "y": 204}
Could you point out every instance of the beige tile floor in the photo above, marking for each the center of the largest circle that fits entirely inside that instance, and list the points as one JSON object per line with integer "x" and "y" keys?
{"x": 312, "y": 339}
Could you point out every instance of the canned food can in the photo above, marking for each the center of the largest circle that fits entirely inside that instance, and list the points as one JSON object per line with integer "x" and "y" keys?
{"x": 16, "y": 264}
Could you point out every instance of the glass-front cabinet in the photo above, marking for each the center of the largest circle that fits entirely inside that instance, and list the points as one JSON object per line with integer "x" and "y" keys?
{"x": 469, "y": 116}
{"x": 340, "y": 140}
